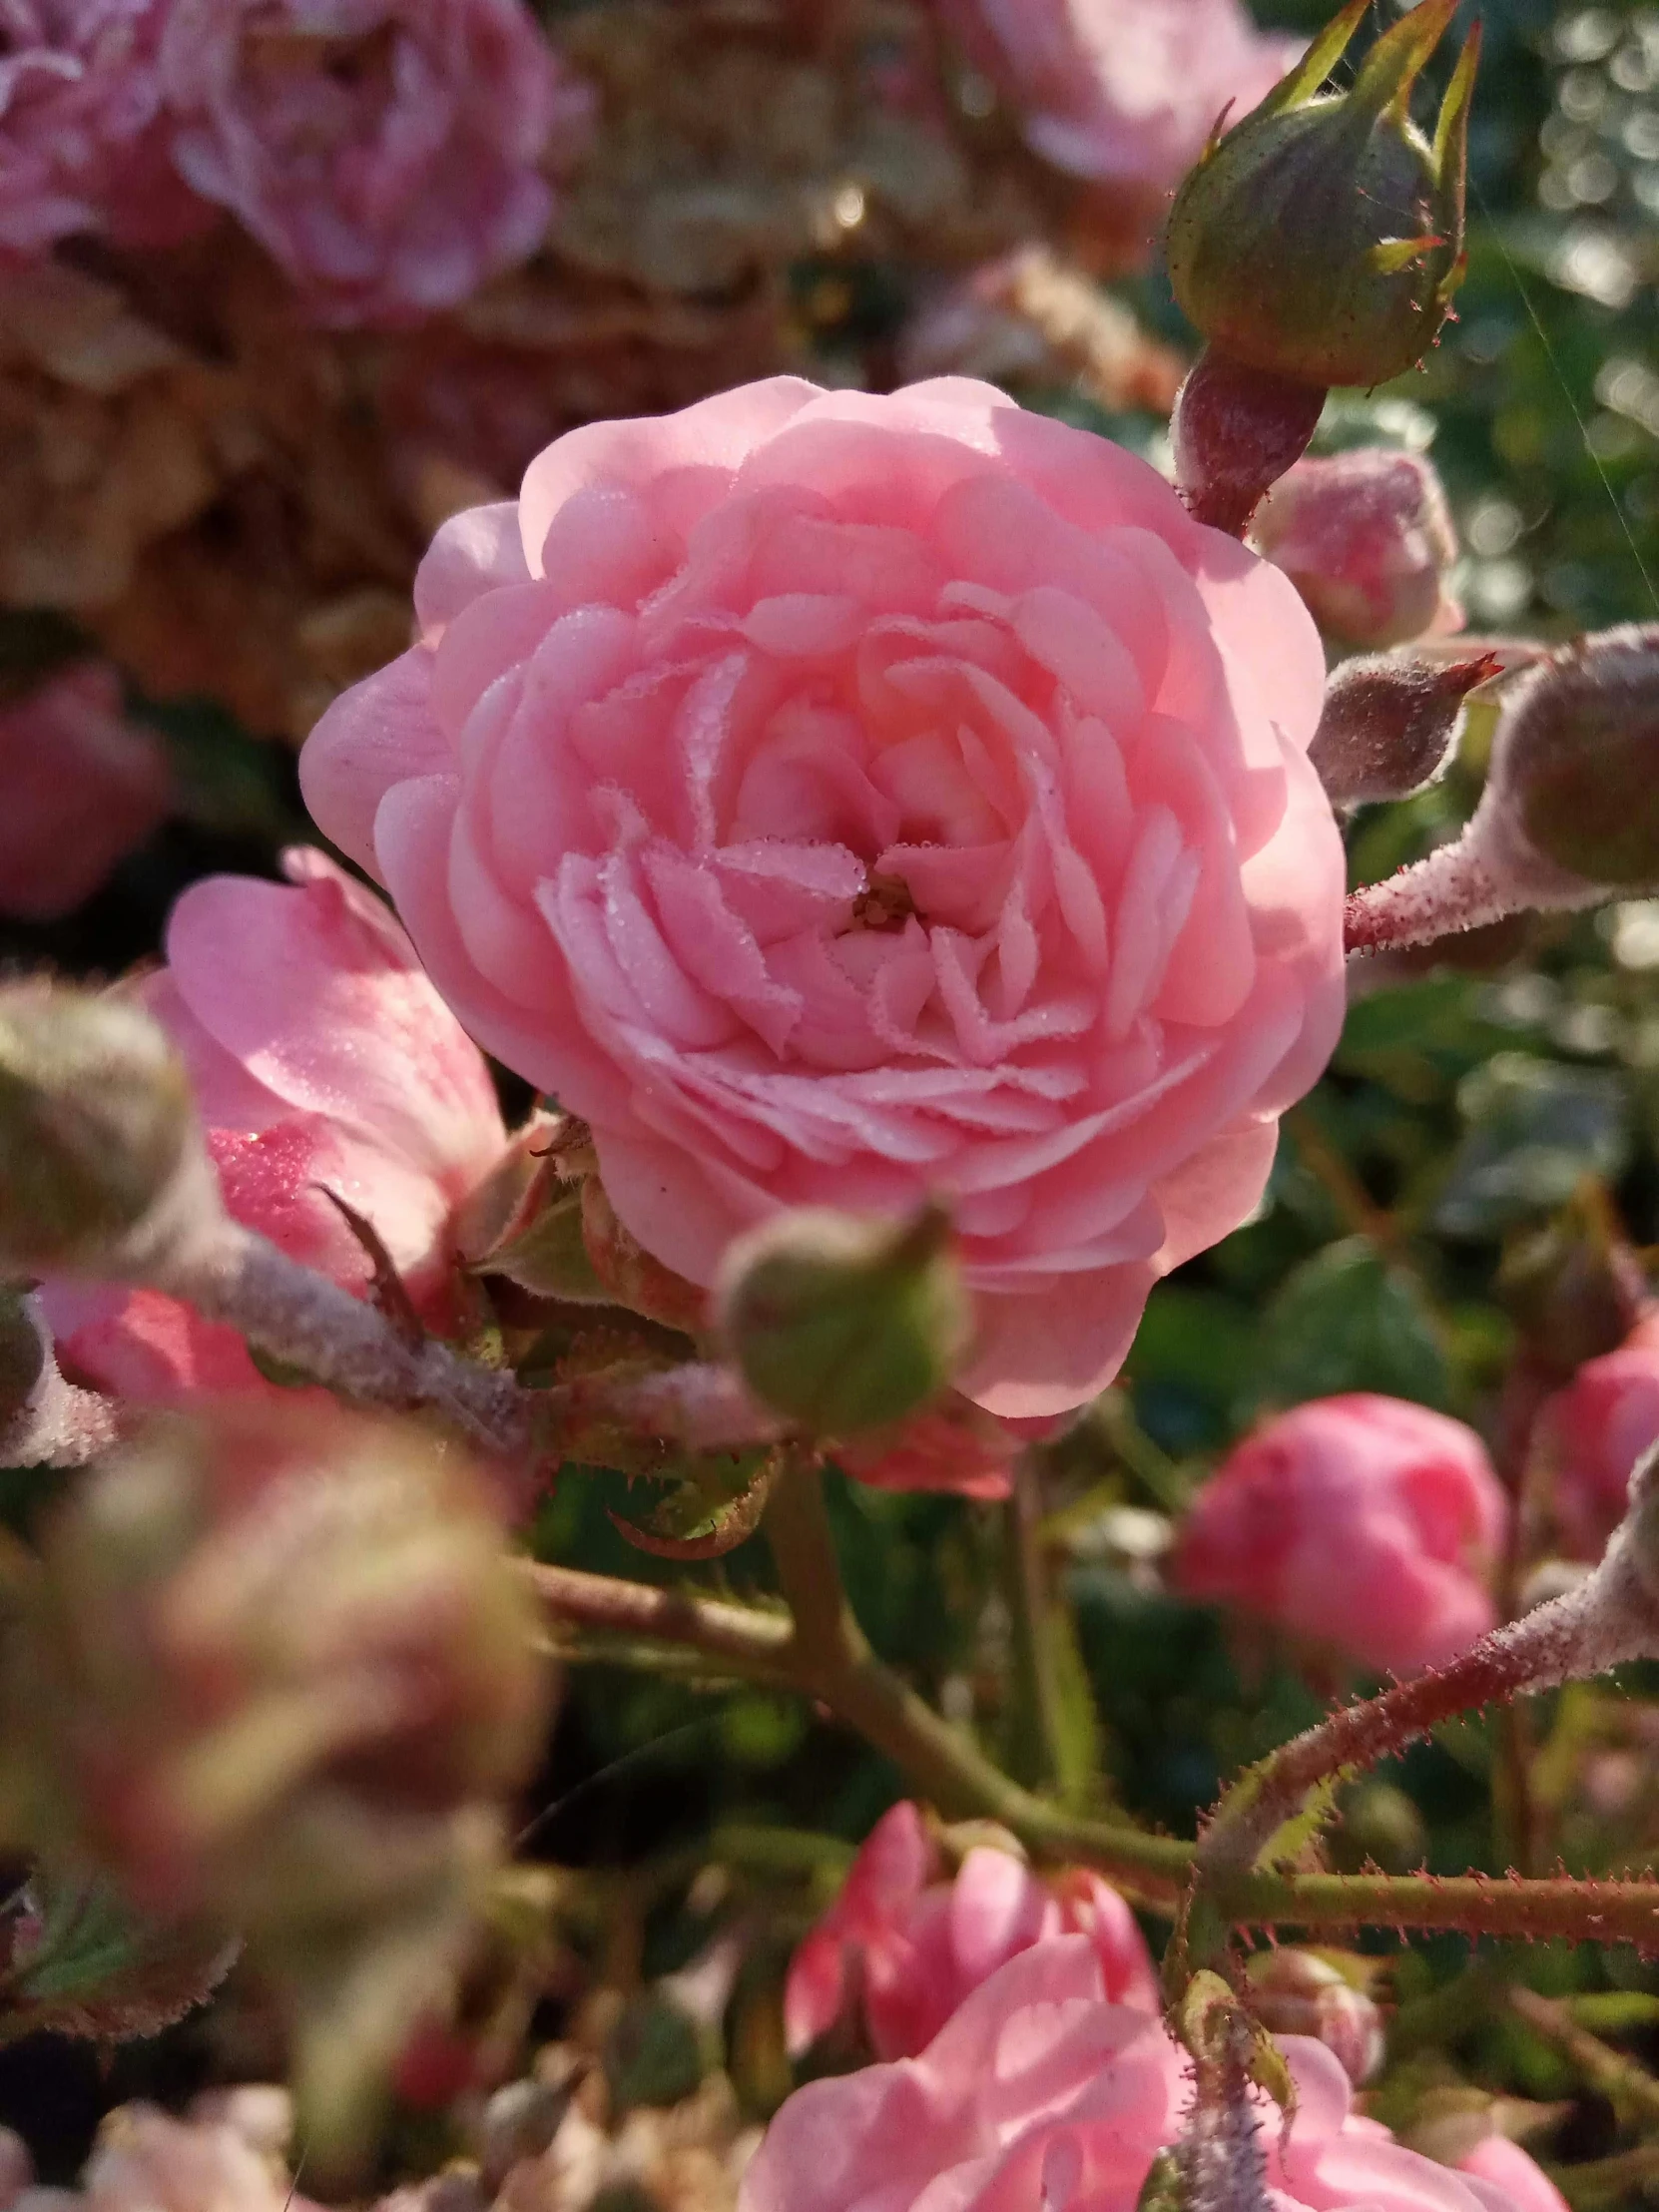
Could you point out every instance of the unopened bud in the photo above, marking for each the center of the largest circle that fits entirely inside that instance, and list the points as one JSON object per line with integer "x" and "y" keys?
{"x": 1570, "y": 813}
{"x": 1366, "y": 537}
{"x": 1322, "y": 238}
{"x": 1575, "y": 1288}
{"x": 1298, "y": 1992}
{"x": 1380, "y": 1827}
{"x": 1236, "y": 430}
{"x": 277, "y": 1670}
{"x": 841, "y": 1323}
{"x": 99, "y": 1149}
{"x": 1389, "y": 725}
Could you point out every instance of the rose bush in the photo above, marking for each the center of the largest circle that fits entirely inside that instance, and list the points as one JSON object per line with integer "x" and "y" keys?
{"x": 323, "y": 1060}
{"x": 834, "y": 800}
{"x": 1122, "y": 89}
{"x": 1360, "y": 1523}
{"x": 914, "y": 1944}
{"x": 388, "y": 153}
{"x": 1040, "y": 2092}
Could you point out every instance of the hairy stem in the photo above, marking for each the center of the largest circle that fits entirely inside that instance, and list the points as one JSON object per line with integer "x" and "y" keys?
{"x": 1036, "y": 1743}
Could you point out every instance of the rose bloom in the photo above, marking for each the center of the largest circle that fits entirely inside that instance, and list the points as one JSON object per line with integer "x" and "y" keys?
{"x": 83, "y": 142}
{"x": 913, "y": 1946}
{"x": 388, "y": 153}
{"x": 322, "y": 1062}
{"x": 1123, "y": 91}
{"x": 1593, "y": 1432}
{"x": 836, "y": 799}
{"x": 1364, "y": 1523}
{"x": 1366, "y": 537}
{"x": 79, "y": 788}
{"x": 1041, "y": 2095}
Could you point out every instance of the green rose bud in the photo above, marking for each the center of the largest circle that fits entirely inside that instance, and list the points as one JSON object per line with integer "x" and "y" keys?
{"x": 843, "y": 1324}
{"x": 1322, "y": 238}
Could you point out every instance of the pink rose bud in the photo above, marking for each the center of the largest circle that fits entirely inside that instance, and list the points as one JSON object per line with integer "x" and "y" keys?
{"x": 278, "y": 1671}
{"x": 1296, "y": 1992}
{"x": 1366, "y": 537}
{"x": 1039, "y": 2090}
{"x": 1122, "y": 90}
{"x": 1569, "y": 816}
{"x": 323, "y": 1060}
{"x": 844, "y": 1323}
{"x": 79, "y": 788}
{"x": 388, "y": 154}
{"x": 1390, "y": 725}
{"x": 1593, "y": 1433}
{"x": 100, "y": 1150}
{"x": 914, "y": 1944}
{"x": 1363, "y": 1523}
{"x": 1321, "y": 237}
{"x": 918, "y": 806}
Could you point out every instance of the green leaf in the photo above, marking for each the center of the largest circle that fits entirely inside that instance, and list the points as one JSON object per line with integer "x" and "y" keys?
{"x": 84, "y": 1965}
{"x": 1536, "y": 1129}
{"x": 1349, "y": 1319}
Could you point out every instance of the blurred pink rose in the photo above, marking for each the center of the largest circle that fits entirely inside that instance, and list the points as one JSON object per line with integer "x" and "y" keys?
{"x": 322, "y": 1062}
{"x": 1366, "y": 537}
{"x": 82, "y": 142}
{"x": 834, "y": 800}
{"x": 1594, "y": 1432}
{"x": 1124, "y": 91}
{"x": 388, "y": 154}
{"x": 80, "y": 786}
{"x": 912, "y": 1944}
{"x": 1360, "y": 1523}
{"x": 1039, "y": 2095}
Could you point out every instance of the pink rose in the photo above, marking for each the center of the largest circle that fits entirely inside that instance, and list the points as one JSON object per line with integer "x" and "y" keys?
{"x": 82, "y": 142}
{"x": 1126, "y": 91}
{"x": 1505, "y": 2165}
{"x": 80, "y": 786}
{"x": 1360, "y": 1523}
{"x": 323, "y": 1060}
{"x": 834, "y": 800}
{"x": 1366, "y": 537}
{"x": 1594, "y": 1432}
{"x": 1039, "y": 2095}
{"x": 914, "y": 1945}
{"x": 388, "y": 153}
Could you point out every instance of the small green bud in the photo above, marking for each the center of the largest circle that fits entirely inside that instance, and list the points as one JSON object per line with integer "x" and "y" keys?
{"x": 96, "y": 1127}
{"x": 1322, "y": 238}
{"x": 841, "y": 1323}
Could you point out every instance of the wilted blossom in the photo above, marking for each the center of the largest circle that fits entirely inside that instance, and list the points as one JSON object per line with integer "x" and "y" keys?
{"x": 323, "y": 1061}
{"x": 389, "y": 153}
{"x": 83, "y": 139}
{"x": 1363, "y": 1523}
{"x": 1366, "y": 537}
{"x": 80, "y": 786}
{"x": 844, "y": 801}
{"x": 1592, "y": 1433}
{"x": 911, "y": 1944}
{"x": 1124, "y": 91}
{"x": 1038, "y": 2092}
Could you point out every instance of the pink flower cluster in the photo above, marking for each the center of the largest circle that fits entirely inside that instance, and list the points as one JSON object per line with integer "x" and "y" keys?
{"x": 1362, "y": 1523}
{"x": 80, "y": 786}
{"x": 913, "y": 1946}
{"x": 322, "y": 1062}
{"x": 1038, "y": 2091}
{"x": 1126, "y": 91}
{"x": 836, "y": 799}
{"x": 1594, "y": 1432}
{"x": 389, "y": 153}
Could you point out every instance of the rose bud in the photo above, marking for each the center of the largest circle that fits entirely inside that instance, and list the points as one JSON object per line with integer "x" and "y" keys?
{"x": 1296, "y": 1992}
{"x": 1570, "y": 813}
{"x": 101, "y": 1157}
{"x": 1389, "y": 725}
{"x": 841, "y": 1323}
{"x": 1322, "y": 238}
{"x": 277, "y": 1672}
{"x": 1366, "y": 537}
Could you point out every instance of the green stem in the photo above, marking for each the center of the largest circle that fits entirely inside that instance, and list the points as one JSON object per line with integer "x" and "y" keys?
{"x": 1035, "y": 1739}
{"x": 1629, "y": 2088}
